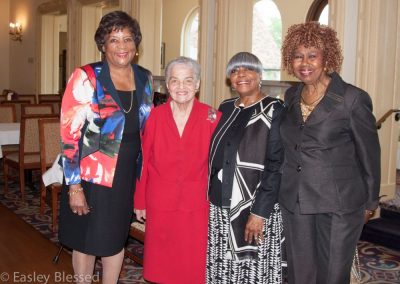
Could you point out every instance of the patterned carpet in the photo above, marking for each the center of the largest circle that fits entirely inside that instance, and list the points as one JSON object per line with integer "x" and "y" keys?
{"x": 378, "y": 265}
{"x": 29, "y": 212}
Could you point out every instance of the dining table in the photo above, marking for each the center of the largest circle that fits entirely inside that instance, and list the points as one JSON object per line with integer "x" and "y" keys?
{"x": 9, "y": 134}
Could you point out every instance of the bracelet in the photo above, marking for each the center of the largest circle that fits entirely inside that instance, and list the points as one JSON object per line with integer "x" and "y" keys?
{"x": 370, "y": 212}
{"x": 75, "y": 191}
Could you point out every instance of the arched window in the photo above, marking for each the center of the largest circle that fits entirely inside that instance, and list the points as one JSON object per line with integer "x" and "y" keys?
{"x": 267, "y": 37}
{"x": 319, "y": 11}
{"x": 190, "y": 34}
{"x": 324, "y": 17}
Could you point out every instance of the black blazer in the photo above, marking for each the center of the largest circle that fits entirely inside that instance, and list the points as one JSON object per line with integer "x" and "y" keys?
{"x": 332, "y": 161}
{"x": 243, "y": 141}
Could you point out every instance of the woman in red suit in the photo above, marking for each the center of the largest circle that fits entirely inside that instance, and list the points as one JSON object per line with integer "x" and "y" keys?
{"x": 171, "y": 193}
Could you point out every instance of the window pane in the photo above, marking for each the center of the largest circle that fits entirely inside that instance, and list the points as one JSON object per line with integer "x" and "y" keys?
{"x": 189, "y": 46}
{"x": 193, "y": 36}
{"x": 323, "y": 18}
{"x": 267, "y": 37}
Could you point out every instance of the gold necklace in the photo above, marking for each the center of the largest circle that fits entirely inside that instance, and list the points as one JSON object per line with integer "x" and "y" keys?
{"x": 130, "y": 108}
{"x": 307, "y": 109}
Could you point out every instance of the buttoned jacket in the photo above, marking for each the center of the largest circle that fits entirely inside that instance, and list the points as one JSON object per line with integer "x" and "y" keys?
{"x": 332, "y": 161}
{"x": 266, "y": 185}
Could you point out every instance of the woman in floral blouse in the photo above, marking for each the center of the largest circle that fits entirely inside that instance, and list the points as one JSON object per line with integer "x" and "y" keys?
{"x": 104, "y": 107}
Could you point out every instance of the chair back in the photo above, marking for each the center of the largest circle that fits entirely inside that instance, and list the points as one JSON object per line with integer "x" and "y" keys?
{"x": 56, "y": 105}
{"x": 50, "y": 147}
{"x": 37, "y": 109}
{"x": 43, "y": 98}
{"x": 7, "y": 114}
{"x": 26, "y": 97}
{"x": 54, "y": 99}
{"x": 18, "y": 105}
{"x": 29, "y": 134}
{"x": 50, "y": 141}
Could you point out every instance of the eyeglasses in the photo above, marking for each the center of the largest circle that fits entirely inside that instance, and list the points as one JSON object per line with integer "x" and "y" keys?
{"x": 188, "y": 83}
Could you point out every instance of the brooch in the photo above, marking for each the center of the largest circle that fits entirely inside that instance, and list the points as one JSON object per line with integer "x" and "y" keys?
{"x": 212, "y": 114}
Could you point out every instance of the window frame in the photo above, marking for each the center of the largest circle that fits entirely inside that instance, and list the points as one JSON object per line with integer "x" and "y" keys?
{"x": 316, "y": 9}
{"x": 187, "y": 24}
{"x": 278, "y": 71}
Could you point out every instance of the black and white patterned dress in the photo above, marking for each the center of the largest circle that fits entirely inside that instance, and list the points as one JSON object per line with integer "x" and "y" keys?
{"x": 245, "y": 159}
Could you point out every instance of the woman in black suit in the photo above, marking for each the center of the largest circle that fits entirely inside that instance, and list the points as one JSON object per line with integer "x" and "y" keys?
{"x": 331, "y": 174}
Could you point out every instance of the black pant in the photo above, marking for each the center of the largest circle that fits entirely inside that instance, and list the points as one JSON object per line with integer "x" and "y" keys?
{"x": 321, "y": 247}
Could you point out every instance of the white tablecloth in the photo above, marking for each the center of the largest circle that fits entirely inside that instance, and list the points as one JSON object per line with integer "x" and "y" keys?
{"x": 9, "y": 134}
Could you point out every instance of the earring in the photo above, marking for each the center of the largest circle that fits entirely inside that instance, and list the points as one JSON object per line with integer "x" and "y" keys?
{"x": 259, "y": 84}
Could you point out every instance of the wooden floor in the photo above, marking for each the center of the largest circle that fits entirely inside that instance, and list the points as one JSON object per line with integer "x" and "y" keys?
{"x": 24, "y": 252}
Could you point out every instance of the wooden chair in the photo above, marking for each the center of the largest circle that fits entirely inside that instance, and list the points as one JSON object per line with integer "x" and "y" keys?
{"x": 43, "y": 98}
{"x": 37, "y": 109}
{"x": 28, "y": 157}
{"x": 49, "y": 137}
{"x": 137, "y": 232}
{"x": 7, "y": 114}
{"x": 28, "y": 97}
{"x": 18, "y": 106}
{"x": 56, "y": 106}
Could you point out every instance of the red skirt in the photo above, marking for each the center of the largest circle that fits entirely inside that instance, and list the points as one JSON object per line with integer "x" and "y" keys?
{"x": 175, "y": 246}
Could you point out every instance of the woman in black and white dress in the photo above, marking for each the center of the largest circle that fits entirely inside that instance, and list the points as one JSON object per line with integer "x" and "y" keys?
{"x": 245, "y": 225}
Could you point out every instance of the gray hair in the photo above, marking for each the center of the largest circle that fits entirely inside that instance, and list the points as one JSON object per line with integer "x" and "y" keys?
{"x": 246, "y": 60}
{"x": 192, "y": 64}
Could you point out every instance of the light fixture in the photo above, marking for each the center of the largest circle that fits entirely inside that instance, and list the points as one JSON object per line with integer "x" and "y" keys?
{"x": 16, "y": 31}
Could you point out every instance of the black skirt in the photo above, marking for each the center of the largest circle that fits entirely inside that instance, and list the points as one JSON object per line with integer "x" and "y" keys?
{"x": 104, "y": 231}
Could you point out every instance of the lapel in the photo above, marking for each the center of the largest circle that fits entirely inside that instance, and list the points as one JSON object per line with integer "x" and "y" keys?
{"x": 193, "y": 117}
{"x": 292, "y": 101}
{"x": 140, "y": 81}
{"x": 104, "y": 78}
{"x": 189, "y": 127}
{"x": 332, "y": 100}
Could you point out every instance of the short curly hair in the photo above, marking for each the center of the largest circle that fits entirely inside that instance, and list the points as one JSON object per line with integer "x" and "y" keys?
{"x": 116, "y": 21}
{"x": 312, "y": 34}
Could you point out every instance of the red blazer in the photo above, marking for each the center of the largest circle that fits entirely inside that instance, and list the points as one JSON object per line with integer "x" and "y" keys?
{"x": 175, "y": 169}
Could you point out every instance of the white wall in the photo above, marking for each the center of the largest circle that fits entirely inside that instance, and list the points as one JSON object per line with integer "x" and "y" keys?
{"x": 22, "y": 68}
{"x": 91, "y": 16}
{"x": 174, "y": 15}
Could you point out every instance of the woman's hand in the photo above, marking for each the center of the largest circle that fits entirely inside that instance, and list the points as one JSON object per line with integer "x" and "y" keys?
{"x": 368, "y": 214}
{"x": 140, "y": 215}
{"x": 77, "y": 200}
{"x": 254, "y": 229}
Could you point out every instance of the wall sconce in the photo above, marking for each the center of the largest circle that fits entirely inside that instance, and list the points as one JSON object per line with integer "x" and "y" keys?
{"x": 16, "y": 31}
